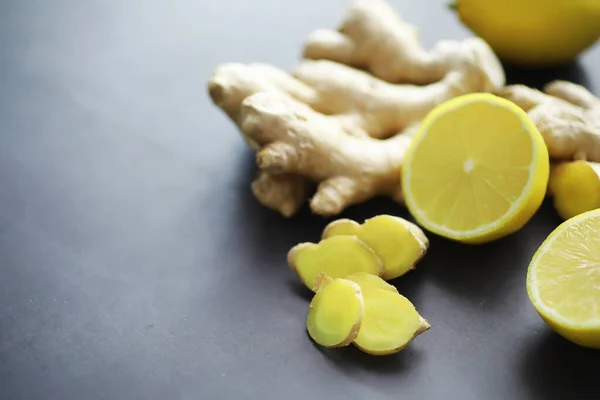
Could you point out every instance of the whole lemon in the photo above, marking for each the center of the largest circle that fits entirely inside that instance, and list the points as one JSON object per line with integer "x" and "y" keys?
{"x": 533, "y": 32}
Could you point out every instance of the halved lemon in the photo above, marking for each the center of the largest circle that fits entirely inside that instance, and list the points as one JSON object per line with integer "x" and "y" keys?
{"x": 477, "y": 169}
{"x": 563, "y": 279}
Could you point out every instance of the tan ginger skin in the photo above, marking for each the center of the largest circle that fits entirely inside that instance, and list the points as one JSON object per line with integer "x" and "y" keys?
{"x": 568, "y": 117}
{"x": 566, "y": 114}
{"x": 345, "y": 131}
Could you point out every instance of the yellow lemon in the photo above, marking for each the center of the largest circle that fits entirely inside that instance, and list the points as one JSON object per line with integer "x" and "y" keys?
{"x": 477, "y": 169}
{"x": 563, "y": 279}
{"x": 533, "y": 32}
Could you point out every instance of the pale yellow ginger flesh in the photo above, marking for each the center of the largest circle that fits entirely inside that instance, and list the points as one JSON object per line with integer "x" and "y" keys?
{"x": 341, "y": 131}
{"x": 575, "y": 187}
{"x": 335, "y": 313}
{"x": 390, "y": 323}
{"x": 336, "y": 257}
{"x": 368, "y": 281}
{"x": 341, "y": 227}
{"x": 399, "y": 243}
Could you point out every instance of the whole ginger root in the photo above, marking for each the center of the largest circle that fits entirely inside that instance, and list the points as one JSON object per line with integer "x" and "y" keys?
{"x": 344, "y": 130}
{"x": 568, "y": 117}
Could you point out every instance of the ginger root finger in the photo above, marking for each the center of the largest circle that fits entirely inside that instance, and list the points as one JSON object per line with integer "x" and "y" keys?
{"x": 228, "y": 86}
{"x": 369, "y": 281}
{"x": 231, "y": 83}
{"x": 337, "y": 257}
{"x": 335, "y": 313}
{"x": 573, "y": 93}
{"x": 351, "y": 169}
{"x": 344, "y": 104}
{"x": 571, "y": 132}
{"x": 379, "y": 108}
{"x": 284, "y": 193}
{"x": 399, "y": 243}
{"x": 575, "y": 187}
{"x": 390, "y": 323}
{"x": 374, "y": 37}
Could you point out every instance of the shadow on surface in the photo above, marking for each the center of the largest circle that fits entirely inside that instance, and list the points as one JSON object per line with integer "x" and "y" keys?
{"x": 484, "y": 273}
{"x": 261, "y": 229}
{"x": 299, "y": 289}
{"x": 350, "y": 358}
{"x": 554, "y": 368}
{"x": 537, "y": 78}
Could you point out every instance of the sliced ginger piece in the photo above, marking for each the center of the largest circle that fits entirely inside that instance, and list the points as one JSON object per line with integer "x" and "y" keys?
{"x": 398, "y": 242}
{"x": 368, "y": 281}
{"x": 335, "y": 313}
{"x": 342, "y": 226}
{"x": 575, "y": 187}
{"x": 390, "y": 323}
{"x": 338, "y": 257}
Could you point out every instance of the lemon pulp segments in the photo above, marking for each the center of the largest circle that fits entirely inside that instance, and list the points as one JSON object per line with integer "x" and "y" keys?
{"x": 476, "y": 170}
{"x": 563, "y": 279}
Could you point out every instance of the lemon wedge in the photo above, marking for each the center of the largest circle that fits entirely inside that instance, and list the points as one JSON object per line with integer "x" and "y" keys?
{"x": 477, "y": 169}
{"x": 563, "y": 279}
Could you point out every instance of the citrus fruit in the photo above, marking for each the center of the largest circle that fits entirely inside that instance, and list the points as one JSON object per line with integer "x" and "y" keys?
{"x": 476, "y": 170}
{"x": 533, "y": 32}
{"x": 575, "y": 186}
{"x": 563, "y": 279}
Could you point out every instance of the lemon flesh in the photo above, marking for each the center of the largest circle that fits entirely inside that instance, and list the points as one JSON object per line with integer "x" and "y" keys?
{"x": 477, "y": 170}
{"x": 563, "y": 279}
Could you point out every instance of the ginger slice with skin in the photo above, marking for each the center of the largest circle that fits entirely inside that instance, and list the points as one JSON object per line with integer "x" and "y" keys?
{"x": 345, "y": 104}
{"x": 335, "y": 313}
{"x": 399, "y": 243}
{"x": 369, "y": 281}
{"x": 390, "y": 323}
{"x": 342, "y": 226}
{"x": 337, "y": 257}
{"x": 575, "y": 187}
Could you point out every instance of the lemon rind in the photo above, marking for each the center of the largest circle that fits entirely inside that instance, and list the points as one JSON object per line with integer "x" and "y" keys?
{"x": 532, "y": 287}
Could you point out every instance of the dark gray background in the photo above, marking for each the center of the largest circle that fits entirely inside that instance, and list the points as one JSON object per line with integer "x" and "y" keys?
{"x": 135, "y": 263}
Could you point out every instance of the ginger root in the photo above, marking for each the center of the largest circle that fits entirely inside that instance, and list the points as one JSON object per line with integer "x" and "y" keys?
{"x": 568, "y": 117}
{"x": 335, "y": 313}
{"x": 566, "y": 114}
{"x": 337, "y": 257}
{"x": 338, "y": 128}
{"x": 390, "y": 323}
{"x": 399, "y": 243}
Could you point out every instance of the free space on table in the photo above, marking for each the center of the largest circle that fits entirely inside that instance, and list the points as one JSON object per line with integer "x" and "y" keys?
{"x": 135, "y": 263}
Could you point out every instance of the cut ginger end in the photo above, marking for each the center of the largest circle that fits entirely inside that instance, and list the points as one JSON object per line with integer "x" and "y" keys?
{"x": 335, "y": 313}
{"x": 337, "y": 257}
{"x": 390, "y": 323}
{"x": 399, "y": 243}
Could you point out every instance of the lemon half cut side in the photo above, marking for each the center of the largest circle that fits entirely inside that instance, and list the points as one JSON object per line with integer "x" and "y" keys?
{"x": 477, "y": 169}
{"x": 563, "y": 279}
